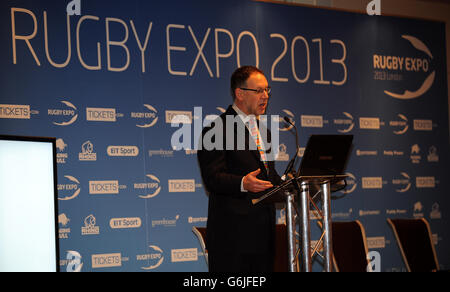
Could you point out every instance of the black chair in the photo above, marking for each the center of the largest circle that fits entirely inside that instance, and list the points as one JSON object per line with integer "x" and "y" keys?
{"x": 200, "y": 232}
{"x": 416, "y": 245}
{"x": 349, "y": 247}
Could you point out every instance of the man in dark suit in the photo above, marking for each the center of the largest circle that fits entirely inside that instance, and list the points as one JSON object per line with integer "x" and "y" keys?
{"x": 240, "y": 235}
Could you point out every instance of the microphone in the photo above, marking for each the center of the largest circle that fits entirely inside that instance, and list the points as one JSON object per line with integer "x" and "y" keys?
{"x": 292, "y": 162}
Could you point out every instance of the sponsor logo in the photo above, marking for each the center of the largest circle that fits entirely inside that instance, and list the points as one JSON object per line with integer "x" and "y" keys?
{"x": 312, "y": 121}
{"x": 301, "y": 151}
{"x": 8, "y": 111}
{"x": 393, "y": 153}
{"x": 162, "y": 153}
{"x": 366, "y": 152}
{"x": 282, "y": 154}
{"x": 70, "y": 190}
{"x": 372, "y": 183}
{"x": 101, "y": 114}
{"x": 149, "y": 118}
{"x": 432, "y": 154}
{"x": 418, "y": 208}
{"x": 396, "y": 212}
{"x": 401, "y": 125}
{"x": 435, "y": 212}
{"x": 64, "y": 232}
{"x": 192, "y": 220}
{"x": 106, "y": 260}
{"x": 404, "y": 181}
{"x": 425, "y": 182}
{"x": 287, "y": 126}
{"x": 152, "y": 187}
{"x": 351, "y": 184}
{"x": 376, "y": 242}
{"x": 347, "y": 122}
{"x": 106, "y": 187}
{"x": 122, "y": 151}
{"x": 60, "y": 145}
{"x": 184, "y": 255}
{"x": 61, "y": 156}
{"x": 369, "y": 212}
{"x": 408, "y": 64}
{"x": 69, "y": 114}
{"x": 181, "y": 186}
{"x": 125, "y": 223}
{"x": 423, "y": 125}
{"x": 155, "y": 258}
{"x": 415, "y": 154}
{"x": 369, "y": 123}
{"x": 179, "y": 117}
{"x": 89, "y": 227}
{"x": 166, "y": 222}
{"x": 342, "y": 215}
{"x": 87, "y": 152}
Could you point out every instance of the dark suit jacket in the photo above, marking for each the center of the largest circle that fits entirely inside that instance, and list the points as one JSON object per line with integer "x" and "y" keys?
{"x": 234, "y": 223}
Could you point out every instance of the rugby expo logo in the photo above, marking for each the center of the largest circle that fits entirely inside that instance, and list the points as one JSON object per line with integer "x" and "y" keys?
{"x": 64, "y": 116}
{"x": 395, "y": 68}
{"x": 352, "y": 183}
{"x": 154, "y": 258}
{"x": 69, "y": 189}
{"x": 346, "y": 124}
{"x": 400, "y": 125}
{"x": 146, "y": 119}
{"x": 403, "y": 184}
{"x": 148, "y": 189}
{"x": 285, "y": 127}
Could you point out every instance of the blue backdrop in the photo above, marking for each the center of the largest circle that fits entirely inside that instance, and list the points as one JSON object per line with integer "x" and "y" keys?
{"x": 107, "y": 83}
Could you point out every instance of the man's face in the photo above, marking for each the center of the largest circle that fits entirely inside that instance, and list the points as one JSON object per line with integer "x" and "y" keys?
{"x": 251, "y": 102}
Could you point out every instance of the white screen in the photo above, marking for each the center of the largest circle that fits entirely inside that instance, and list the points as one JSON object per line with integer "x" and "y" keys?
{"x": 27, "y": 207}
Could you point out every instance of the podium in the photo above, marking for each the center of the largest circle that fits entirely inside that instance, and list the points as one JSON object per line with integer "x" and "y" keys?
{"x": 299, "y": 187}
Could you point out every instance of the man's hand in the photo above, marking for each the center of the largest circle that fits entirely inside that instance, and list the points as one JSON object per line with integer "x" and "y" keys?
{"x": 255, "y": 185}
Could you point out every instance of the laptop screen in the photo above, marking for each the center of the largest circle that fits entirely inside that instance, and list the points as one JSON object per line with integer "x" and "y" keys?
{"x": 326, "y": 155}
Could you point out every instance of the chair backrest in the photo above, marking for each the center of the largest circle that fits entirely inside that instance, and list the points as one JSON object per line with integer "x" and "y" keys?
{"x": 200, "y": 232}
{"x": 416, "y": 245}
{"x": 349, "y": 247}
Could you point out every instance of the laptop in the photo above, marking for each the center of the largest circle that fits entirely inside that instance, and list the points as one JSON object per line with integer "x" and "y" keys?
{"x": 325, "y": 155}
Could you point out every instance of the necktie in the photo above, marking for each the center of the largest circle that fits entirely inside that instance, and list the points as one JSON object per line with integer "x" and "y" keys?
{"x": 254, "y": 131}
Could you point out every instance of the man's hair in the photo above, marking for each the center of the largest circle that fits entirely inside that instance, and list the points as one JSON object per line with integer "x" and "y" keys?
{"x": 240, "y": 77}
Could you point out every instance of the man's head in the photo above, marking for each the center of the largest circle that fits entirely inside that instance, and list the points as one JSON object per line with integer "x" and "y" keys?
{"x": 250, "y": 90}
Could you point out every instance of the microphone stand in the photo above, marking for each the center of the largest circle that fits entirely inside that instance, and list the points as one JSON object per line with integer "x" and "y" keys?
{"x": 293, "y": 160}
{"x": 301, "y": 187}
